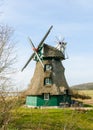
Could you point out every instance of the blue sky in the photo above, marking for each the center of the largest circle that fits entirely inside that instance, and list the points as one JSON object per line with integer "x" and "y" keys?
{"x": 72, "y": 19}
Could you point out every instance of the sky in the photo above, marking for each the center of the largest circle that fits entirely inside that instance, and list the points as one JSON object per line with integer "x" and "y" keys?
{"x": 71, "y": 19}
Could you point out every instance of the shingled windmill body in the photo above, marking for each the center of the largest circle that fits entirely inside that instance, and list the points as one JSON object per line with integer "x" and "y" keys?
{"x": 48, "y": 86}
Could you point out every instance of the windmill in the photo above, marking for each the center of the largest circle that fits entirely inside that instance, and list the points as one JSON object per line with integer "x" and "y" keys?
{"x": 48, "y": 86}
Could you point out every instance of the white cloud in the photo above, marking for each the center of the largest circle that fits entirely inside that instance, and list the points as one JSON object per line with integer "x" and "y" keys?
{"x": 23, "y": 79}
{"x": 79, "y": 69}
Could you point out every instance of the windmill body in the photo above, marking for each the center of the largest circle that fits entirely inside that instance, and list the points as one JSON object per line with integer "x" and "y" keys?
{"x": 48, "y": 86}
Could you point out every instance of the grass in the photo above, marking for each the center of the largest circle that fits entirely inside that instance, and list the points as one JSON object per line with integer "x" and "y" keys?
{"x": 51, "y": 119}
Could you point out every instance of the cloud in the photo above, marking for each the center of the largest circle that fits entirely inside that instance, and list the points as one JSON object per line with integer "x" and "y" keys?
{"x": 79, "y": 69}
{"x": 23, "y": 79}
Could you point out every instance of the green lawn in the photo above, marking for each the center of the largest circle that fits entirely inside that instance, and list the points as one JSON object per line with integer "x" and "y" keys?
{"x": 51, "y": 119}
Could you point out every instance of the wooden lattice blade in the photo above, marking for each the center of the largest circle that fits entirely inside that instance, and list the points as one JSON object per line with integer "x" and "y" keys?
{"x": 31, "y": 57}
{"x": 42, "y": 41}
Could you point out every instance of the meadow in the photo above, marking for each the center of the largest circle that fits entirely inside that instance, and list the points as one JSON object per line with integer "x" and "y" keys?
{"x": 51, "y": 119}
{"x": 24, "y": 118}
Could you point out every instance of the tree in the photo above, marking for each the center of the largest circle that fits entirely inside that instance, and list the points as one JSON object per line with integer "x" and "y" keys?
{"x": 7, "y": 60}
{"x": 6, "y": 56}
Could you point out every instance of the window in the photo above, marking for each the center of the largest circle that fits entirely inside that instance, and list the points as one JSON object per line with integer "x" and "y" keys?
{"x": 46, "y": 96}
{"x": 65, "y": 91}
{"x": 48, "y": 67}
{"x": 48, "y": 81}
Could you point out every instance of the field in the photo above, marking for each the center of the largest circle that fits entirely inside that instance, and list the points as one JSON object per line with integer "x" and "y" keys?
{"x": 23, "y": 118}
{"x": 89, "y": 93}
{"x": 54, "y": 119}
{"x": 51, "y": 119}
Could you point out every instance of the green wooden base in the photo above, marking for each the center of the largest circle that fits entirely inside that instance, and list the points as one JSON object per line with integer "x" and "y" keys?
{"x": 54, "y": 100}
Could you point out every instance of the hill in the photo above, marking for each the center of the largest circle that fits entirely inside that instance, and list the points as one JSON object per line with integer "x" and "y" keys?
{"x": 85, "y": 86}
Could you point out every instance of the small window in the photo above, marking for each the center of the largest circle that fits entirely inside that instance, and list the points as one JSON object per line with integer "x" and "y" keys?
{"x": 46, "y": 96}
{"x": 65, "y": 91}
{"x": 48, "y": 81}
{"x": 48, "y": 67}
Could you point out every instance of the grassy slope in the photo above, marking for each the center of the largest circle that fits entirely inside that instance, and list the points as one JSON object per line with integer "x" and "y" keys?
{"x": 85, "y": 86}
{"x": 51, "y": 119}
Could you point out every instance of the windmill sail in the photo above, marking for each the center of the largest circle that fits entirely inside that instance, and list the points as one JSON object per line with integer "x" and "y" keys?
{"x": 45, "y": 36}
{"x": 35, "y": 52}
{"x": 31, "y": 57}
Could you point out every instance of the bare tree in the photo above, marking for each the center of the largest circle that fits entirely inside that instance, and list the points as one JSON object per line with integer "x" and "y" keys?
{"x": 7, "y": 59}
